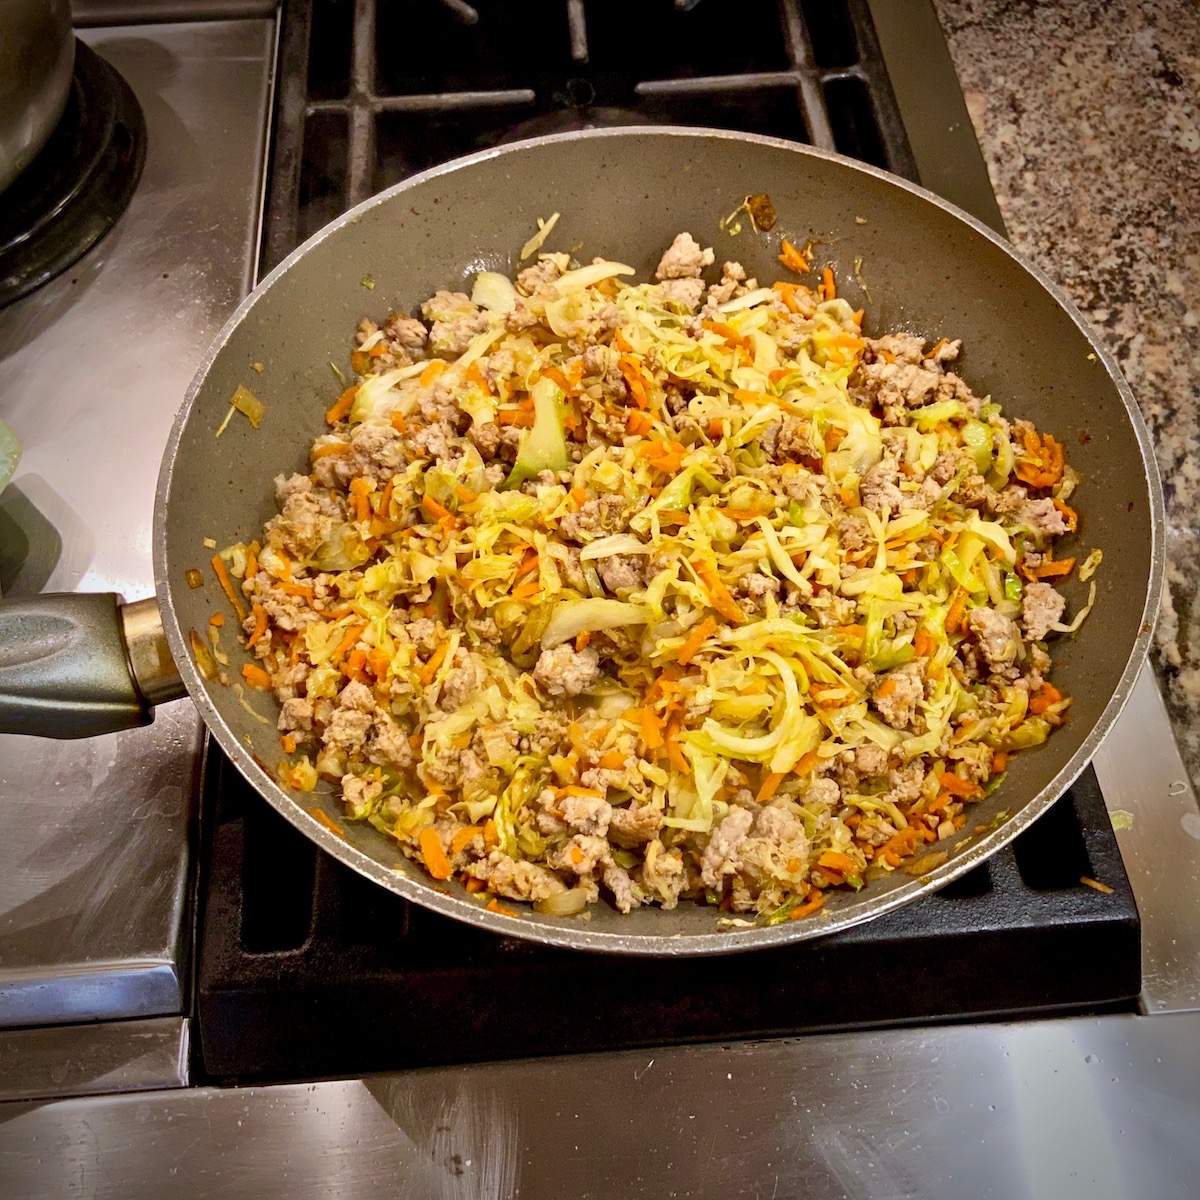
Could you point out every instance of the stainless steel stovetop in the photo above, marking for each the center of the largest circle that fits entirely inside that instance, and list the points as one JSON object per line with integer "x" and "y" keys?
{"x": 94, "y": 936}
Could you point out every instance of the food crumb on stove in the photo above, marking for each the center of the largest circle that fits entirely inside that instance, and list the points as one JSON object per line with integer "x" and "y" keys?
{"x": 210, "y": 543}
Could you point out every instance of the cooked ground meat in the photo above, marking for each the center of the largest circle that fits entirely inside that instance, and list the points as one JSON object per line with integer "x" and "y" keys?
{"x": 785, "y": 529}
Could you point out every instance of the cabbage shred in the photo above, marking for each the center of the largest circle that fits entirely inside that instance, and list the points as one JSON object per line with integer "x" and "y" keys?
{"x": 685, "y": 509}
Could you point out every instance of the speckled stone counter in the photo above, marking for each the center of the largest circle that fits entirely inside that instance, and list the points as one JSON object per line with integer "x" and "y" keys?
{"x": 1088, "y": 113}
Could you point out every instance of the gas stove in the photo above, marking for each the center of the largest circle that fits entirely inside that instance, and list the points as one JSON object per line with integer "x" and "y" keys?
{"x": 217, "y": 945}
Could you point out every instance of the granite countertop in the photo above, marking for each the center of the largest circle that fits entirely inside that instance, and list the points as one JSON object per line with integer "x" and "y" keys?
{"x": 1088, "y": 113}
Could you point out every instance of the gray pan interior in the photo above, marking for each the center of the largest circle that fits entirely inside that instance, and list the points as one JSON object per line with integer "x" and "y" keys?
{"x": 911, "y": 261}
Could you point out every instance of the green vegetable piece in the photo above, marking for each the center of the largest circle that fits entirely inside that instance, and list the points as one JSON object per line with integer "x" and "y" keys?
{"x": 978, "y": 438}
{"x": 10, "y": 454}
{"x": 1014, "y": 589}
{"x": 545, "y": 445}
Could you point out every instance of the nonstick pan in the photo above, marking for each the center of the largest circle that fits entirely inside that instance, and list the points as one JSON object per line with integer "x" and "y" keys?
{"x": 910, "y": 260}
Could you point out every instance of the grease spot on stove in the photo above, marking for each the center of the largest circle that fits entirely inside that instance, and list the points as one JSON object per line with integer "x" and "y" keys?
{"x": 1191, "y": 824}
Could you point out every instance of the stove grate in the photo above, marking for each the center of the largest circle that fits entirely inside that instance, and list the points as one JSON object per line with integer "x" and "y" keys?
{"x": 358, "y": 112}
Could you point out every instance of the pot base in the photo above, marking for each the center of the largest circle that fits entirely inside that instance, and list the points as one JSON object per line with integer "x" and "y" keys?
{"x": 72, "y": 194}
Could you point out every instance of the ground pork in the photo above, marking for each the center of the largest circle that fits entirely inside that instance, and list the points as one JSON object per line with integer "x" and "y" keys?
{"x": 619, "y": 572}
{"x": 684, "y": 259}
{"x": 998, "y": 638}
{"x": 1043, "y": 519}
{"x": 565, "y": 671}
{"x": 581, "y": 854}
{"x": 732, "y": 274}
{"x": 389, "y": 745}
{"x": 462, "y": 683}
{"x": 896, "y": 702}
{"x": 296, "y": 715}
{"x": 720, "y": 855}
{"x": 596, "y": 517}
{"x": 663, "y": 873}
{"x": 587, "y": 814}
{"x": 538, "y": 277}
{"x": 634, "y": 825}
{"x": 456, "y": 320}
{"x": 515, "y": 877}
{"x": 352, "y": 718}
{"x": 358, "y": 793}
{"x": 1041, "y": 607}
{"x": 879, "y": 491}
{"x": 625, "y": 893}
{"x": 683, "y": 291}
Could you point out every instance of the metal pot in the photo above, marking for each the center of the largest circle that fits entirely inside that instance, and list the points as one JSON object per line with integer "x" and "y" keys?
{"x": 910, "y": 260}
{"x": 37, "y": 57}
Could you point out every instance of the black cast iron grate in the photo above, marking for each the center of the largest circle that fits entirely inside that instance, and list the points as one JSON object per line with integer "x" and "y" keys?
{"x": 371, "y": 92}
{"x": 306, "y": 969}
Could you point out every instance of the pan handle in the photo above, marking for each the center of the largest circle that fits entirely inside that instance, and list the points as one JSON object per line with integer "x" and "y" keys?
{"x": 74, "y": 666}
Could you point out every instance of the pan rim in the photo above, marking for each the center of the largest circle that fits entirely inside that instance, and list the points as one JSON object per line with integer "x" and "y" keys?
{"x": 563, "y": 933}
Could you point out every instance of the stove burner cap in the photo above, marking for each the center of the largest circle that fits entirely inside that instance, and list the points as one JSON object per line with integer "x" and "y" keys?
{"x": 72, "y": 193}
{"x": 571, "y": 120}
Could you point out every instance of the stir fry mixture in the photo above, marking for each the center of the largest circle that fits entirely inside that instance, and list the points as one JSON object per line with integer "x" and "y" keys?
{"x": 661, "y": 591}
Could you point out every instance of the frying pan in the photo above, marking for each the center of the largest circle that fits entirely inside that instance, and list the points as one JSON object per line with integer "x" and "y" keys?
{"x": 910, "y": 260}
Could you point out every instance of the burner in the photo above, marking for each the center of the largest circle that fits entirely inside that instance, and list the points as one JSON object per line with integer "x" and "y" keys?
{"x": 570, "y": 120}
{"x": 72, "y": 193}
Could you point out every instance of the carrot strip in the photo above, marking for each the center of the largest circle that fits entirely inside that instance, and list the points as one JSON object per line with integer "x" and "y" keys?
{"x": 958, "y": 607}
{"x": 530, "y": 564}
{"x": 255, "y": 676}
{"x": 260, "y": 625}
{"x": 828, "y": 288}
{"x": 959, "y": 787}
{"x": 434, "y": 509}
{"x": 922, "y": 642}
{"x": 462, "y": 838}
{"x": 288, "y": 743}
{"x": 834, "y": 860}
{"x": 795, "y": 260}
{"x": 1046, "y": 695}
{"x": 342, "y": 406}
{"x": 431, "y": 372}
{"x": 495, "y": 906}
{"x": 675, "y": 753}
{"x": 652, "y": 727}
{"x": 695, "y": 640}
{"x": 330, "y": 448}
{"x": 886, "y": 688}
{"x": 614, "y": 760}
{"x": 436, "y": 862}
{"x": 806, "y": 763}
{"x": 529, "y": 588}
{"x": 430, "y": 669}
{"x": 718, "y": 594}
{"x": 770, "y": 785}
{"x": 815, "y": 900}
{"x": 351, "y": 637}
{"x": 222, "y": 574}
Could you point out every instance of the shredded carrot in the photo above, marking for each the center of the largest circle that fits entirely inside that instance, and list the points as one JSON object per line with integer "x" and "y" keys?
{"x": 251, "y": 561}
{"x": 474, "y": 885}
{"x": 1045, "y": 696}
{"x": 467, "y": 497}
{"x": 638, "y": 423}
{"x": 1042, "y": 464}
{"x": 922, "y": 642}
{"x": 634, "y": 380}
{"x": 359, "y": 489}
{"x": 342, "y": 406}
{"x": 834, "y": 860}
{"x": 431, "y": 372}
{"x": 1102, "y": 888}
{"x": 959, "y": 787}
{"x": 806, "y": 764}
{"x": 260, "y": 625}
{"x": 731, "y": 335}
{"x": 695, "y": 640}
{"x": 303, "y": 590}
{"x": 1050, "y": 570}
{"x": 999, "y": 762}
{"x": 886, "y": 688}
{"x": 579, "y": 496}
{"x": 652, "y": 728}
{"x": 436, "y": 862}
{"x": 828, "y": 287}
{"x": 675, "y": 753}
{"x": 474, "y": 375}
{"x": 848, "y": 496}
{"x": 614, "y": 760}
{"x": 288, "y": 743}
{"x": 495, "y": 906}
{"x": 379, "y": 662}
{"x": 582, "y": 639}
{"x": 222, "y": 574}
{"x": 491, "y": 835}
{"x": 958, "y": 607}
{"x": 529, "y": 588}
{"x": 323, "y": 818}
{"x": 255, "y": 676}
{"x": 770, "y": 785}
{"x": 815, "y": 899}
{"x": 462, "y": 838}
{"x": 796, "y": 260}
{"x": 332, "y": 448}
{"x": 430, "y": 669}
{"x": 853, "y": 632}
{"x": 434, "y": 509}
{"x": 530, "y": 564}
{"x": 508, "y": 416}
{"x": 718, "y": 594}
{"x": 217, "y": 619}
{"x": 940, "y": 802}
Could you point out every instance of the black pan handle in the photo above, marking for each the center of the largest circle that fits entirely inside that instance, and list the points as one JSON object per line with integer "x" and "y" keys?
{"x": 74, "y": 666}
